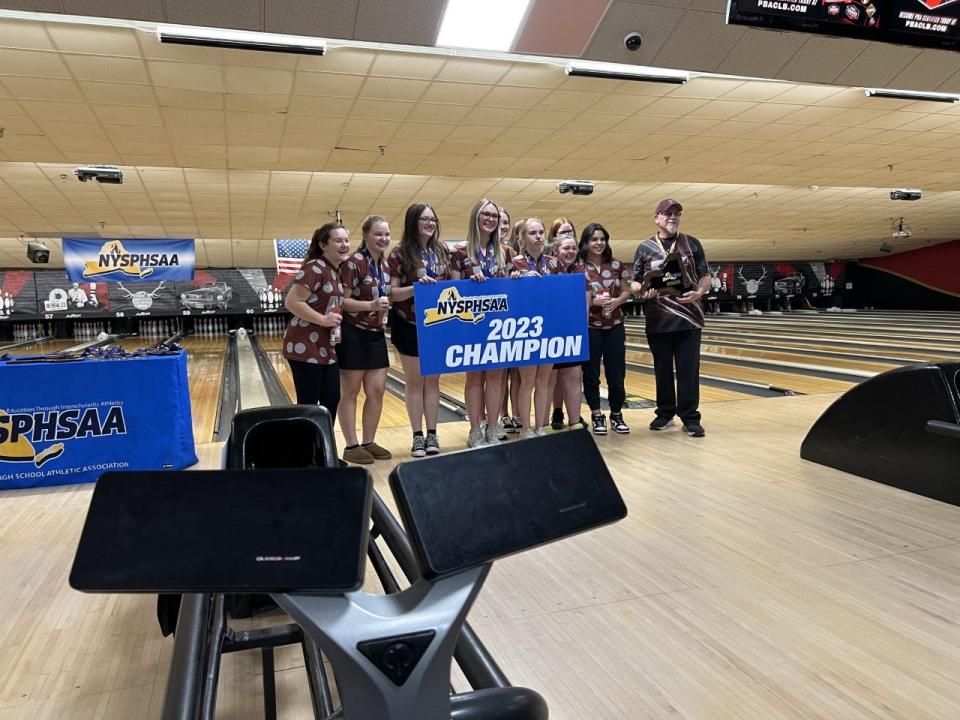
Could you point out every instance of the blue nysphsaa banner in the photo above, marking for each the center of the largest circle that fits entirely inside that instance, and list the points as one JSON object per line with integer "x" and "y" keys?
{"x": 464, "y": 325}
{"x": 69, "y": 422}
{"x": 141, "y": 260}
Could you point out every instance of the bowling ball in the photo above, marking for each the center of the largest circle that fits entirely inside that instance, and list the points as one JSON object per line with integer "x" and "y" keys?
{"x": 242, "y": 332}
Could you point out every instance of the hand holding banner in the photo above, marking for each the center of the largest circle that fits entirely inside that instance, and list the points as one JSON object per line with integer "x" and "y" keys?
{"x": 464, "y": 325}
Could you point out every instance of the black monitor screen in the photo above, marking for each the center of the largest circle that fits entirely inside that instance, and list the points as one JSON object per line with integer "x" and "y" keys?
{"x": 225, "y": 531}
{"x": 937, "y": 21}
{"x": 466, "y": 509}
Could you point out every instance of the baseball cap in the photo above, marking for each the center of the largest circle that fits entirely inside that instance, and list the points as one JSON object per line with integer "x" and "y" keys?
{"x": 665, "y": 205}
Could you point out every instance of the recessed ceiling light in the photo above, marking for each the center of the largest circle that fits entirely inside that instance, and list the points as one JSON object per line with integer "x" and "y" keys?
{"x": 488, "y": 25}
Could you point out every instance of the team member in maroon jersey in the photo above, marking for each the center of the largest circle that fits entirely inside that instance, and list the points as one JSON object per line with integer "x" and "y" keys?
{"x": 421, "y": 257}
{"x": 483, "y": 257}
{"x": 566, "y": 376}
{"x": 674, "y": 322}
{"x": 314, "y": 300}
{"x": 609, "y": 282}
{"x": 534, "y": 379}
{"x": 363, "y": 350}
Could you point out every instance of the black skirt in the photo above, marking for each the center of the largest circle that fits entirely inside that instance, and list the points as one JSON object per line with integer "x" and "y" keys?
{"x": 361, "y": 349}
{"x": 403, "y": 335}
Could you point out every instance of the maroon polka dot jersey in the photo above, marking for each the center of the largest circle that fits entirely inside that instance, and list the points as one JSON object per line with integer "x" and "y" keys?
{"x": 611, "y": 277}
{"x": 304, "y": 341}
{"x": 365, "y": 279}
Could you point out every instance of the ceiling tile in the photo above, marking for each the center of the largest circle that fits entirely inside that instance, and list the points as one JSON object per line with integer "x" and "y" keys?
{"x": 655, "y": 23}
{"x": 95, "y": 40}
{"x": 417, "y": 24}
{"x": 32, "y": 64}
{"x": 130, "y": 9}
{"x": 319, "y": 18}
{"x": 257, "y": 80}
{"x": 329, "y": 84}
{"x": 26, "y": 35}
{"x": 107, "y": 69}
{"x": 239, "y": 14}
{"x": 187, "y": 76}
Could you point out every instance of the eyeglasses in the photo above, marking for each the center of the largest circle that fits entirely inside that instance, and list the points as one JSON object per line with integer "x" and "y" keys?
{"x": 428, "y": 220}
{"x": 671, "y": 214}
{"x": 489, "y": 216}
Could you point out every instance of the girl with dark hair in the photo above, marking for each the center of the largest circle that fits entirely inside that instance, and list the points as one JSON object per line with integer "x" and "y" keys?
{"x": 363, "y": 352}
{"x": 609, "y": 282}
{"x": 534, "y": 379}
{"x": 483, "y": 257}
{"x": 421, "y": 257}
{"x": 314, "y": 300}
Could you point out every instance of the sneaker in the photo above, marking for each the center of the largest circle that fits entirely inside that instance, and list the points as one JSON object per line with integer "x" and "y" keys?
{"x": 358, "y": 456}
{"x": 419, "y": 448}
{"x": 495, "y": 435}
{"x": 378, "y": 451}
{"x": 476, "y": 438}
{"x": 661, "y": 423}
{"x": 618, "y": 425}
{"x": 509, "y": 425}
{"x": 526, "y": 433}
{"x": 501, "y": 432}
{"x": 517, "y": 425}
{"x": 541, "y": 431}
{"x": 556, "y": 422}
{"x": 432, "y": 444}
{"x": 694, "y": 429}
{"x": 599, "y": 424}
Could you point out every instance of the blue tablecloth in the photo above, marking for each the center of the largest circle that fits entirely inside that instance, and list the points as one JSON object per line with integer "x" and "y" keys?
{"x": 68, "y": 422}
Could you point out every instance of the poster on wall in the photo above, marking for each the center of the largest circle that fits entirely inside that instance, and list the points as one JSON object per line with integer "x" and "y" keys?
{"x": 823, "y": 279}
{"x": 267, "y": 290}
{"x": 788, "y": 281}
{"x": 214, "y": 291}
{"x": 57, "y": 297}
{"x": 721, "y": 282}
{"x": 18, "y": 295}
{"x": 142, "y": 299}
{"x": 753, "y": 280}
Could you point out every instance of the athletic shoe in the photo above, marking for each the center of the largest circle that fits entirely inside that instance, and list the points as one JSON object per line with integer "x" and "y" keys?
{"x": 432, "y": 444}
{"x": 580, "y": 423}
{"x": 501, "y": 434}
{"x": 509, "y": 425}
{"x": 694, "y": 429}
{"x": 541, "y": 431}
{"x": 476, "y": 438}
{"x": 526, "y": 433}
{"x": 661, "y": 423}
{"x": 556, "y": 422}
{"x": 599, "y": 424}
{"x": 378, "y": 451}
{"x": 358, "y": 456}
{"x": 419, "y": 448}
{"x": 495, "y": 435}
{"x": 618, "y": 425}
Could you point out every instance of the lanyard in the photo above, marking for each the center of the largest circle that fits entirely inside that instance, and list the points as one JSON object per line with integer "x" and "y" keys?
{"x": 488, "y": 260}
{"x": 429, "y": 261}
{"x": 376, "y": 271}
{"x": 540, "y": 264}
{"x": 663, "y": 249}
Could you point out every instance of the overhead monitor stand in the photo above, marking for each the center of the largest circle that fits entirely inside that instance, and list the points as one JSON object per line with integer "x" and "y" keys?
{"x": 408, "y": 637}
{"x": 392, "y": 654}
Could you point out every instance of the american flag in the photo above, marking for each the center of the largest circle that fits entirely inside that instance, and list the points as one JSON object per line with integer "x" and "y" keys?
{"x": 290, "y": 253}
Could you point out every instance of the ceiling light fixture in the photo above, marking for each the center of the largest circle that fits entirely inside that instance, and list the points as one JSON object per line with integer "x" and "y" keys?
{"x": 912, "y": 95}
{"x": 240, "y": 39}
{"x": 617, "y": 71}
{"x": 488, "y": 25}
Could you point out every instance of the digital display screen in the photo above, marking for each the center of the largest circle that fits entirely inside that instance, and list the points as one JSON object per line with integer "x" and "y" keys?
{"x": 924, "y": 23}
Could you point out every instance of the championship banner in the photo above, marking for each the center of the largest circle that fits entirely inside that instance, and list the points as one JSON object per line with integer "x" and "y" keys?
{"x": 465, "y": 325}
{"x": 99, "y": 260}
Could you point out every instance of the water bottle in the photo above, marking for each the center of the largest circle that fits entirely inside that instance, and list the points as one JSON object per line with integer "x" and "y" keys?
{"x": 335, "y": 330}
{"x": 607, "y": 312}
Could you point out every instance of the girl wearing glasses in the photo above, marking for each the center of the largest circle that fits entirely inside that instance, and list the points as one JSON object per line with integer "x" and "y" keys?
{"x": 420, "y": 258}
{"x": 483, "y": 257}
{"x": 532, "y": 262}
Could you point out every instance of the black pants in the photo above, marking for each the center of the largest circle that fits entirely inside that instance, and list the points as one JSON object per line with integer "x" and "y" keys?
{"x": 317, "y": 384}
{"x": 683, "y": 350}
{"x": 608, "y": 345}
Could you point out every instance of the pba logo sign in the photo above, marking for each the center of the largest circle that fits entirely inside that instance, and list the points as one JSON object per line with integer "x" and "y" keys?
{"x": 113, "y": 258}
{"x": 935, "y": 4}
{"x": 452, "y": 305}
{"x": 22, "y": 432}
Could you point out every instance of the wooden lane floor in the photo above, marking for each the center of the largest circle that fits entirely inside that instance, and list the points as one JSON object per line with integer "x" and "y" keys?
{"x": 394, "y": 411}
{"x": 50, "y": 346}
{"x": 910, "y": 335}
{"x": 744, "y": 583}
{"x": 205, "y": 358}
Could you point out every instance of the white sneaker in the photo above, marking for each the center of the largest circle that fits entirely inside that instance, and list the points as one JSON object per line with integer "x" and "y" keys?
{"x": 542, "y": 431}
{"x": 501, "y": 432}
{"x": 493, "y": 435}
{"x": 476, "y": 438}
{"x": 526, "y": 433}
